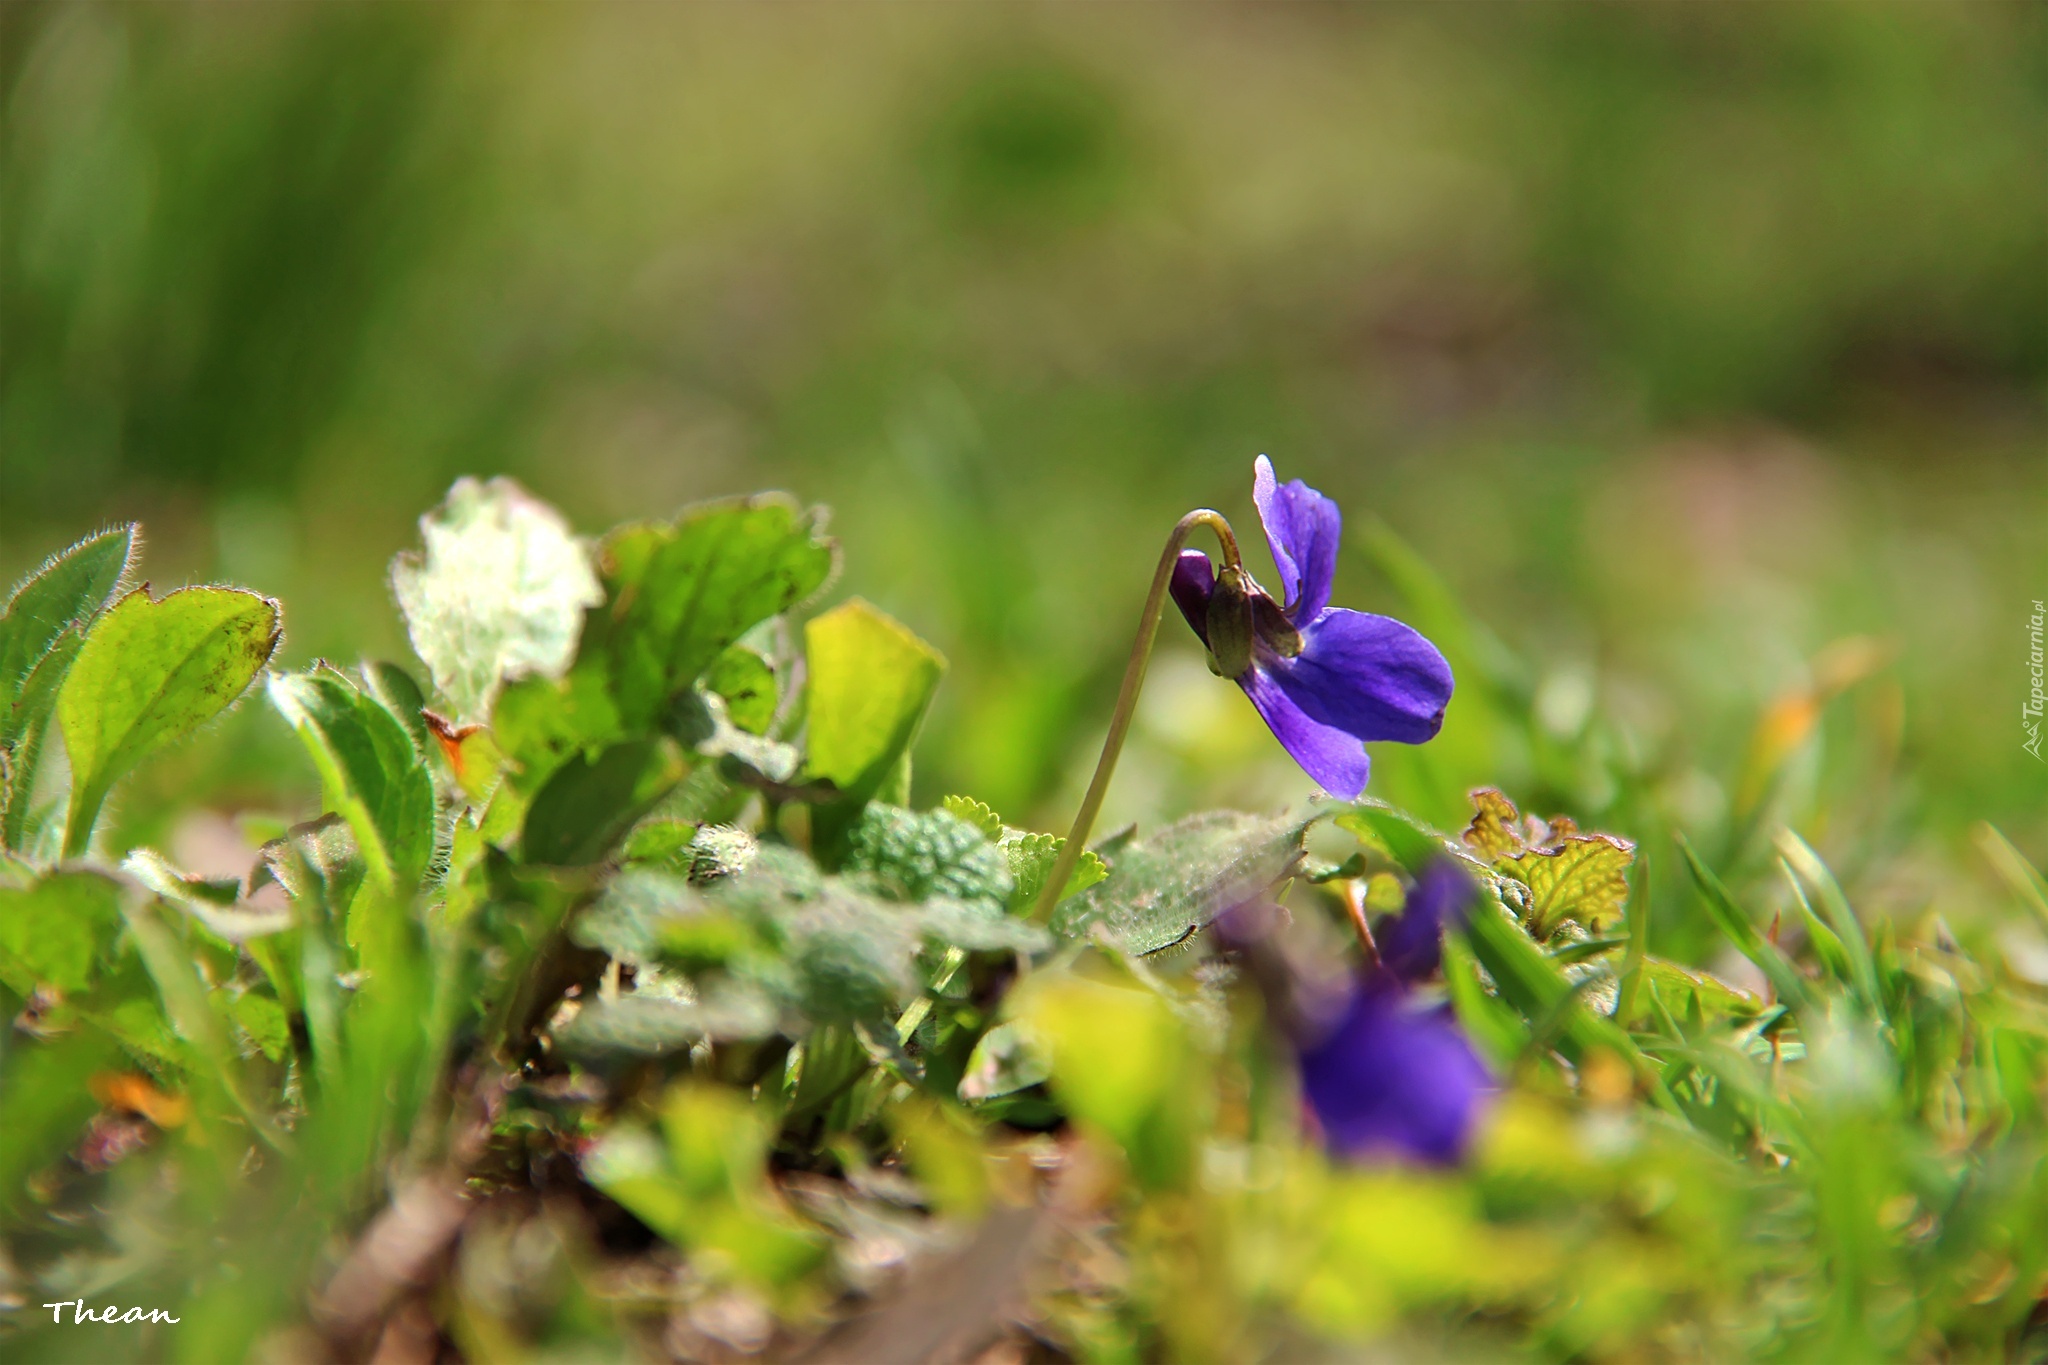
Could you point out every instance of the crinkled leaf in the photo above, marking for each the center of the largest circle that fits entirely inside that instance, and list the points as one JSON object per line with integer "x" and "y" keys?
{"x": 316, "y": 862}
{"x": 1162, "y": 889}
{"x": 151, "y": 671}
{"x": 590, "y": 803}
{"x": 1584, "y": 879}
{"x": 933, "y": 853}
{"x": 683, "y": 592}
{"x": 976, "y": 814}
{"x": 373, "y": 776}
{"x": 58, "y": 931}
{"x": 1495, "y": 831}
{"x": 745, "y": 682}
{"x": 499, "y": 592}
{"x": 1031, "y": 858}
{"x": 871, "y": 681}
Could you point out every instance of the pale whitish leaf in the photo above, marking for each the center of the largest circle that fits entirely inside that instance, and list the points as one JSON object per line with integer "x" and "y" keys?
{"x": 225, "y": 914}
{"x": 1163, "y": 889}
{"x": 150, "y": 672}
{"x": 499, "y": 592}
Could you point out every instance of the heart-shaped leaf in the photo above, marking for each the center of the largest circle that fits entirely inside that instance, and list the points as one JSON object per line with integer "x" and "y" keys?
{"x": 1162, "y": 889}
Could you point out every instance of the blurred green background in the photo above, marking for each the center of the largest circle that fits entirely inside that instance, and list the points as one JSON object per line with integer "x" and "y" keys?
{"x": 1681, "y": 342}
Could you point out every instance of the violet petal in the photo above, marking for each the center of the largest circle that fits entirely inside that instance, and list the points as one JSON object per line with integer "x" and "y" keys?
{"x": 1370, "y": 676}
{"x": 1333, "y": 757}
{"x": 1193, "y": 580}
{"x": 1302, "y": 530}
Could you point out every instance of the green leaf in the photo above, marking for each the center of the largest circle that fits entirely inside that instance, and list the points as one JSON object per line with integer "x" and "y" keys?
{"x": 47, "y": 1104}
{"x": 23, "y": 730}
{"x": 58, "y": 931}
{"x": 1677, "y": 985}
{"x": 1807, "y": 867}
{"x": 745, "y": 682}
{"x": 151, "y": 671}
{"x": 976, "y": 814}
{"x": 69, "y": 589}
{"x": 263, "y": 1019}
{"x": 1031, "y": 861}
{"x": 871, "y": 681}
{"x": 651, "y": 1025}
{"x": 936, "y": 853}
{"x": 1735, "y": 925}
{"x": 373, "y": 776}
{"x": 499, "y": 593}
{"x": 1162, "y": 889}
{"x": 398, "y": 692}
{"x": 682, "y": 593}
{"x": 590, "y": 803}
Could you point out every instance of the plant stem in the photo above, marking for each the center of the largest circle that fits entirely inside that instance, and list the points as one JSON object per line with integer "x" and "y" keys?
{"x": 1127, "y": 698}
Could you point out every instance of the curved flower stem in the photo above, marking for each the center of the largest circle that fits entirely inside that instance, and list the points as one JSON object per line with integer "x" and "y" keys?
{"x": 1127, "y": 697}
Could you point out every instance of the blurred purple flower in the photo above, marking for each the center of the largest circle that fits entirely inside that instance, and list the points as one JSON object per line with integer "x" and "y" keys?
{"x": 1412, "y": 943}
{"x": 1392, "y": 1079}
{"x": 1384, "y": 1076}
{"x": 1324, "y": 678}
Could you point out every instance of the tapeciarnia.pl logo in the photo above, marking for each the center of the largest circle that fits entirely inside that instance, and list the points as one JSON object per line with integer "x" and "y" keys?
{"x": 2030, "y": 710}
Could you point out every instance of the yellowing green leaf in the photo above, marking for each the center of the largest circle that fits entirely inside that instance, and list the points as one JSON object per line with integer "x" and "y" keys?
{"x": 152, "y": 671}
{"x": 871, "y": 681}
{"x": 1584, "y": 878}
{"x": 1495, "y": 831}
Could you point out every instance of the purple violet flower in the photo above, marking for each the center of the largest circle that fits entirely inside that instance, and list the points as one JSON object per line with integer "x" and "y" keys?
{"x": 1385, "y": 1076}
{"x": 1325, "y": 679}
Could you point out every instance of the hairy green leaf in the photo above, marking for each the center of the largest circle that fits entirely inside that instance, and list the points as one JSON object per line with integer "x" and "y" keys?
{"x": 69, "y": 589}
{"x": 373, "y": 776}
{"x": 1164, "y": 888}
{"x": 151, "y": 671}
